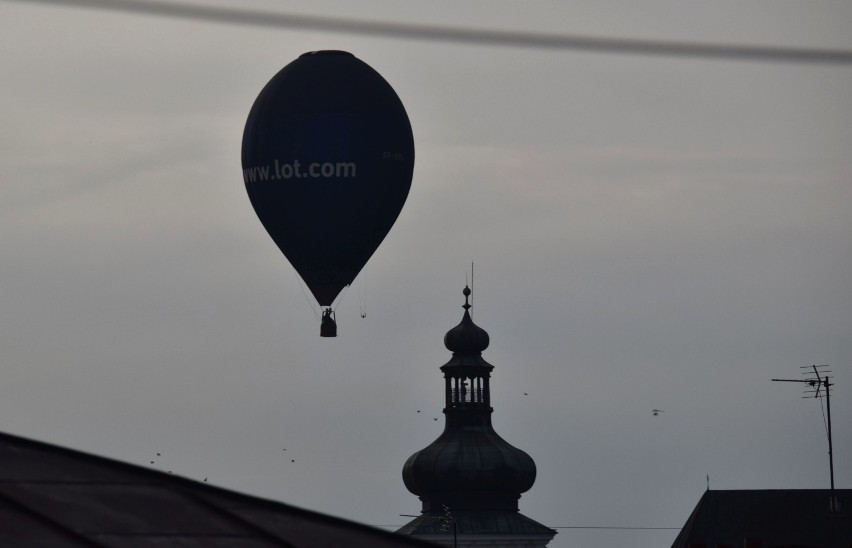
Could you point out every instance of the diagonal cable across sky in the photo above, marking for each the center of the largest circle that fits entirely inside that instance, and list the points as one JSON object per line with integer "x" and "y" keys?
{"x": 463, "y": 35}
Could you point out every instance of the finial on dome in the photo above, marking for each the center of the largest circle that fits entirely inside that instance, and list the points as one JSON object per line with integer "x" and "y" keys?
{"x": 466, "y": 293}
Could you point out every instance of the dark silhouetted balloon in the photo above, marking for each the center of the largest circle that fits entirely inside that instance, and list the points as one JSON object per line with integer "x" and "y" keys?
{"x": 328, "y": 157}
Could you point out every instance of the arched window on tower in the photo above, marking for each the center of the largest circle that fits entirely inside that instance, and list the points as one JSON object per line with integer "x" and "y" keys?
{"x": 464, "y": 390}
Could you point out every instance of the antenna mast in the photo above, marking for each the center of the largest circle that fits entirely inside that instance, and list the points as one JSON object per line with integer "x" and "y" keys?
{"x": 814, "y": 386}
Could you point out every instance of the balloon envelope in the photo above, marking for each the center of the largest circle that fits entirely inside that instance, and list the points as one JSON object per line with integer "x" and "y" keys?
{"x": 328, "y": 157}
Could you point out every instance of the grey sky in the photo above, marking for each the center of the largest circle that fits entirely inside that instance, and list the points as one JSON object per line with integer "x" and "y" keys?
{"x": 647, "y": 232}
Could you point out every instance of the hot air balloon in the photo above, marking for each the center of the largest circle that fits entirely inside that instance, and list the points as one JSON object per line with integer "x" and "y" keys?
{"x": 328, "y": 157}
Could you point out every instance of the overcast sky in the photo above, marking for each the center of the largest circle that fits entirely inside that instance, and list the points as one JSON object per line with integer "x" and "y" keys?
{"x": 648, "y": 233}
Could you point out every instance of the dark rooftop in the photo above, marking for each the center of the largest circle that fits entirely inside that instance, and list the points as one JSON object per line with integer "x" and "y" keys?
{"x": 769, "y": 518}
{"x": 52, "y": 496}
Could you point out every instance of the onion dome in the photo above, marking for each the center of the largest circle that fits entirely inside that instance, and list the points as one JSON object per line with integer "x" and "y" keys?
{"x": 469, "y": 470}
{"x": 466, "y": 337}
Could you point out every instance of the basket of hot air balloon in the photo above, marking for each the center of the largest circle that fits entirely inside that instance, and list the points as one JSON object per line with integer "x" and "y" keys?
{"x": 328, "y": 157}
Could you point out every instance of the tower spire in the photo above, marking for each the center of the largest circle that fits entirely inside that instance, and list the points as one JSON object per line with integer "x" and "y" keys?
{"x": 470, "y": 470}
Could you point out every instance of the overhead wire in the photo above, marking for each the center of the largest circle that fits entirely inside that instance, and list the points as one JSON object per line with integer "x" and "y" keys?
{"x": 462, "y": 35}
{"x": 616, "y": 528}
{"x": 601, "y": 527}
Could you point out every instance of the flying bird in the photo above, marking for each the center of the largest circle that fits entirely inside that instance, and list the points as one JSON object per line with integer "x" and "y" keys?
{"x": 656, "y": 412}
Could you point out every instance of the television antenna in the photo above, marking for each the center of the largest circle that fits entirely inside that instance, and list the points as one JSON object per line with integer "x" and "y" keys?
{"x": 818, "y": 385}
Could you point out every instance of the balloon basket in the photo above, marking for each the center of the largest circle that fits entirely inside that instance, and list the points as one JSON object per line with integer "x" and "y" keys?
{"x": 328, "y": 327}
{"x": 328, "y": 330}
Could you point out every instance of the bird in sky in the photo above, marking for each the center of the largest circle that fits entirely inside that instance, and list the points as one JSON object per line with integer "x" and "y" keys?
{"x": 656, "y": 412}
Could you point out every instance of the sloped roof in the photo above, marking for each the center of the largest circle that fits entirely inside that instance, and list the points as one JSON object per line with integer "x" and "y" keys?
{"x": 769, "y": 518}
{"x": 52, "y": 496}
{"x": 496, "y": 523}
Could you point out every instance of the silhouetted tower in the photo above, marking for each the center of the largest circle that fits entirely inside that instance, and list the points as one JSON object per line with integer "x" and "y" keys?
{"x": 470, "y": 479}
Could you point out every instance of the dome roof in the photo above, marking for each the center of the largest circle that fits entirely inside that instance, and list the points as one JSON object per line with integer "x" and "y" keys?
{"x": 466, "y": 337}
{"x": 477, "y": 468}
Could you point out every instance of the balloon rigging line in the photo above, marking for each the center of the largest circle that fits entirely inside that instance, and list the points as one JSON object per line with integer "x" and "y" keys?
{"x": 337, "y": 300}
{"x": 308, "y": 299}
{"x": 362, "y": 293}
{"x": 462, "y": 35}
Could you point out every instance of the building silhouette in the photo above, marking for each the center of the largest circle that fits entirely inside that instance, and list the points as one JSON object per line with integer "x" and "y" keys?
{"x": 769, "y": 518}
{"x": 469, "y": 479}
{"x": 60, "y": 498}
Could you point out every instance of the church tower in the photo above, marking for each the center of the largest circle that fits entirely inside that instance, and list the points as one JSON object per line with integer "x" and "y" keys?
{"x": 469, "y": 479}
